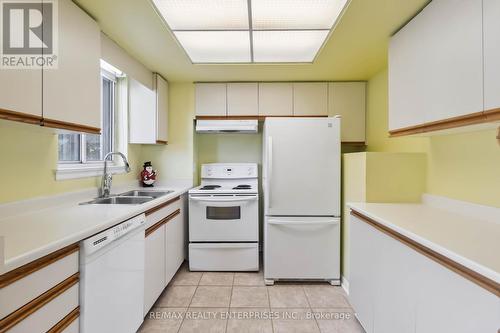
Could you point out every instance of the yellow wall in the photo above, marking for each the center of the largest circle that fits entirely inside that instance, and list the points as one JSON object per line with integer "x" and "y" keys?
{"x": 460, "y": 166}
{"x": 29, "y": 157}
{"x": 176, "y": 160}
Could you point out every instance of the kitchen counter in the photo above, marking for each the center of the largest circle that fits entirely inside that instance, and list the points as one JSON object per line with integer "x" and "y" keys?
{"x": 468, "y": 236}
{"x": 34, "y": 228}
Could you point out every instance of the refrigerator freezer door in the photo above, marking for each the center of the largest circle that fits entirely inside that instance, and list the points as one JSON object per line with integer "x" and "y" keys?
{"x": 302, "y": 166}
{"x": 302, "y": 248}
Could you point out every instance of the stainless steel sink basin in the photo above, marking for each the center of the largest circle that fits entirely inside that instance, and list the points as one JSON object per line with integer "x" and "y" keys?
{"x": 145, "y": 193}
{"x": 122, "y": 200}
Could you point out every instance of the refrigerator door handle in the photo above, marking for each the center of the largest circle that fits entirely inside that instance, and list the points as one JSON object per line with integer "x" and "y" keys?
{"x": 278, "y": 222}
{"x": 270, "y": 168}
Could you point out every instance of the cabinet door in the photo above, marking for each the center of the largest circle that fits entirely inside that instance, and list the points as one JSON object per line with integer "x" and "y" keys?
{"x": 447, "y": 302}
{"x": 310, "y": 99}
{"x": 491, "y": 31}
{"x": 348, "y": 100}
{"x": 154, "y": 267}
{"x": 21, "y": 92}
{"x": 142, "y": 113}
{"x": 161, "y": 109}
{"x": 435, "y": 64}
{"x": 175, "y": 237}
{"x": 363, "y": 268}
{"x": 275, "y": 99}
{"x": 72, "y": 92}
{"x": 242, "y": 99}
{"x": 210, "y": 99}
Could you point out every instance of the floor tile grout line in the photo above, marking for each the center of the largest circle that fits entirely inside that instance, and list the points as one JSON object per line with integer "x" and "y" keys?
{"x": 311, "y": 309}
{"x": 230, "y": 301}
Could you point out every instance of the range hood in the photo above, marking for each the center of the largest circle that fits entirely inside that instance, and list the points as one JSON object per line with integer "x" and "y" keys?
{"x": 227, "y": 126}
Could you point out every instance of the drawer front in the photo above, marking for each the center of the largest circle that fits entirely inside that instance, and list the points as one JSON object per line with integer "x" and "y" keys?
{"x": 157, "y": 215}
{"x": 44, "y": 318}
{"x": 74, "y": 327}
{"x": 224, "y": 257}
{"x": 20, "y": 292}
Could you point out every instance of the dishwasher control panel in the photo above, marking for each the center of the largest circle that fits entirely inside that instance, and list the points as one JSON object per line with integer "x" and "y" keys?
{"x": 96, "y": 242}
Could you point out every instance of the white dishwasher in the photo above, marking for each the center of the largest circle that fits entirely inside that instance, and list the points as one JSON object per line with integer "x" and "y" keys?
{"x": 112, "y": 279}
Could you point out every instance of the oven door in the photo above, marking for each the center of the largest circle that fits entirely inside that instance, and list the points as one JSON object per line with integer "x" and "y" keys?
{"x": 223, "y": 217}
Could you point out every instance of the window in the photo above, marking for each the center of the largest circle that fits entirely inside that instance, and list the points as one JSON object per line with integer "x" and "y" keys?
{"x": 89, "y": 148}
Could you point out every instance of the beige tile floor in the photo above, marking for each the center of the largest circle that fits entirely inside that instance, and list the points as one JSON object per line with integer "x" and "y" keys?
{"x": 241, "y": 303}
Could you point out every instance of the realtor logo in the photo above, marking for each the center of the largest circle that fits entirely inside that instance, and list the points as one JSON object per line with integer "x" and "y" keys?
{"x": 29, "y": 34}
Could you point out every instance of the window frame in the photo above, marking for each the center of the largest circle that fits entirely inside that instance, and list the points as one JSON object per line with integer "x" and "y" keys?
{"x": 84, "y": 168}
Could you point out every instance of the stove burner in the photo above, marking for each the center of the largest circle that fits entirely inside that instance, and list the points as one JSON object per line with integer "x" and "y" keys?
{"x": 242, "y": 187}
{"x": 210, "y": 187}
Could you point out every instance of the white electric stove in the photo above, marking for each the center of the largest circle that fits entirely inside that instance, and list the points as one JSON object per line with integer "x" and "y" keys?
{"x": 224, "y": 218}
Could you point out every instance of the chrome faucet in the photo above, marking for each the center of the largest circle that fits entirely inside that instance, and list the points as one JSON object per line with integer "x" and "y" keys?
{"x": 107, "y": 179}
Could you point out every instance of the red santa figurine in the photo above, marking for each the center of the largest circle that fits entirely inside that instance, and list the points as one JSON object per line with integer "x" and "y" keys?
{"x": 148, "y": 175}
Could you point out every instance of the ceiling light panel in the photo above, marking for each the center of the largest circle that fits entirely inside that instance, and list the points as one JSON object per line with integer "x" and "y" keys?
{"x": 216, "y": 46}
{"x": 287, "y": 46}
{"x": 204, "y": 14}
{"x": 295, "y": 14}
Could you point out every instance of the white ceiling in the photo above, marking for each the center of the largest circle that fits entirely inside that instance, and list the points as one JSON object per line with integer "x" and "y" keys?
{"x": 356, "y": 50}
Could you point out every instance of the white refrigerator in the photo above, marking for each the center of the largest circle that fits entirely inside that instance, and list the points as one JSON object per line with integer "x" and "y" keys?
{"x": 301, "y": 181}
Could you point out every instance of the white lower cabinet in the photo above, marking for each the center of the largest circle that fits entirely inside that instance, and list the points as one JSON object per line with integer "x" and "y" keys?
{"x": 154, "y": 267}
{"x": 395, "y": 289}
{"x": 175, "y": 237}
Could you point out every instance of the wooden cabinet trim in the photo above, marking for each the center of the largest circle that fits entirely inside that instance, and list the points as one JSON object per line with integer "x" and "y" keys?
{"x": 452, "y": 265}
{"x": 260, "y": 118}
{"x": 25, "y": 311}
{"x": 25, "y": 270}
{"x": 470, "y": 119}
{"x": 160, "y": 206}
{"x": 158, "y": 224}
{"x": 20, "y": 117}
{"x": 66, "y": 321}
{"x": 161, "y": 142}
{"x": 69, "y": 126}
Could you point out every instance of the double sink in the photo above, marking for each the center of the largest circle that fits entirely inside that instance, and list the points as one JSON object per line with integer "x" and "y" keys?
{"x": 135, "y": 197}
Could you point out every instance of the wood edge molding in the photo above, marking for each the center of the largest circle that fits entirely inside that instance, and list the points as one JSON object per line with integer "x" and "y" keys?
{"x": 69, "y": 126}
{"x": 158, "y": 224}
{"x": 162, "y": 142}
{"x": 29, "y": 308}
{"x": 259, "y": 117}
{"x": 20, "y": 117}
{"x": 30, "y": 268}
{"x": 162, "y": 205}
{"x": 354, "y": 143}
{"x": 460, "y": 121}
{"x": 66, "y": 321}
{"x": 452, "y": 265}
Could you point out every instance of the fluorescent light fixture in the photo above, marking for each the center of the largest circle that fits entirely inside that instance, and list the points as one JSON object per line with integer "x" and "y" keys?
{"x": 251, "y": 31}
{"x": 216, "y": 46}
{"x": 204, "y": 14}
{"x": 287, "y": 46}
{"x": 295, "y": 14}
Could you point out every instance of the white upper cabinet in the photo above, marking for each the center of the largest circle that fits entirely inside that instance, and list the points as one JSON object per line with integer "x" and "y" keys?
{"x": 21, "y": 92}
{"x": 310, "y": 99}
{"x": 148, "y": 112}
{"x": 491, "y": 30}
{"x": 161, "y": 87}
{"x": 275, "y": 99}
{"x": 242, "y": 99}
{"x": 210, "y": 99}
{"x": 72, "y": 91}
{"x": 435, "y": 65}
{"x": 348, "y": 99}
{"x": 142, "y": 113}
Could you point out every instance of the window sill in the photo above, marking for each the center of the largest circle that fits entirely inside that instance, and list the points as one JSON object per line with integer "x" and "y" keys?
{"x": 75, "y": 171}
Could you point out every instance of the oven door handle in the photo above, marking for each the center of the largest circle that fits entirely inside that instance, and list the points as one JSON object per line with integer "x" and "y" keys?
{"x": 224, "y": 199}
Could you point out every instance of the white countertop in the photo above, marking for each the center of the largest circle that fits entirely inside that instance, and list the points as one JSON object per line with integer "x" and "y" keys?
{"x": 32, "y": 229}
{"x": 473, "y": 241}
